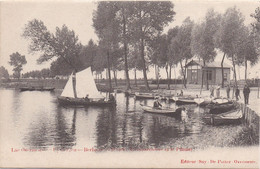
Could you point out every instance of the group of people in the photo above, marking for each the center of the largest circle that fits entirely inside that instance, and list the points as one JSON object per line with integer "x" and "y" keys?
{"x": 246, "y": 91}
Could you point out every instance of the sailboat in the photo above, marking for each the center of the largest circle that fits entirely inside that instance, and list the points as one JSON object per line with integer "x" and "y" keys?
{"x": 86, "y": 91}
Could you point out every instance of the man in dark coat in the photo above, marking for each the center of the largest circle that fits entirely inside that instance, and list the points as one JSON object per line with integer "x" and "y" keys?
{"x": 237, "y": 93}
{"x": 246, "y": 92}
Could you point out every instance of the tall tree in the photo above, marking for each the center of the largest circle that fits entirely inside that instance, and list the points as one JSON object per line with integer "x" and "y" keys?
{"x": 149, "y": 19}
{"x": 107, "y": 28}
{"x": 158, "y": 56}
{"x": 63, "y": 44}
{"x": 231, "y": 27}
{"x": 246, "y": 50}
{"x": 181, "y": 44}
{"x": 3, "y": 73}
{"x": 202, "y": 43}
{"x": 17, "y": 61}
{"x": 124, "y": 15}
{"x": 171, "y": 53}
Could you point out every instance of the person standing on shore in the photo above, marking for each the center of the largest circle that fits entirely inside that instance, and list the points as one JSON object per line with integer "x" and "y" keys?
{"x": 246, "y": 92}
{"x": 218, "y": 91}
{"x": 228, "y": 91}
{"x": 211, "y": 91}
{"x": 237, "y": 93}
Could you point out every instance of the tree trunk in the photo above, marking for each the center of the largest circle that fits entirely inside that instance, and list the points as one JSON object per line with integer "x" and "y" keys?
{"x": 222, "y": 70}
{"x": 144, "y": 66}
{"x": 125, "y": 52}
{"x": 158, "y": 77}
{"x": 245, "y": 69}
{"x": 135, "y": 77}
{"x": 184, "y": 75}
{"x": 234, "y": 67}
{"x": 207, "y": 77}
{"x": 170, "y": 77}
{"x": 202, "y": 81}
{"x": 74, "y": 83}
{"x": 175, "y": 78}
{"x": 108, "y": 69}
{"x": 114, "y": 71}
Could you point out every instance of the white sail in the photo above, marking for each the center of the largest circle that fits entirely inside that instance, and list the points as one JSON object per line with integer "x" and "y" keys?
{"x": 85, "y": 85}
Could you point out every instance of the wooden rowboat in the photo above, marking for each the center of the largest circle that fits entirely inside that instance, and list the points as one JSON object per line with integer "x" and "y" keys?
{"x": 22, "y": 89}
{"x": 166, "y": 111}
{"x": 184, "y": 100}
{"x": 203, "y": 101}
{"x": 216, "y": 108}
{"x": 230, "y": 117}
{"x": 145, "y": 95}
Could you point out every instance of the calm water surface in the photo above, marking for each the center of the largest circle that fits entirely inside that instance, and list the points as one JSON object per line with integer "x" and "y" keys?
{"x": 36, "y": 120}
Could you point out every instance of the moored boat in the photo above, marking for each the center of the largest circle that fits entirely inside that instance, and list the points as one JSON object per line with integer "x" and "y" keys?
{"x": 150, "y": 109}
{"x": 22, "y": 89}
{"x": 203, "y": 101}
{"x": 217, "y": 108}
{"x": 145, "y": 95}
{"x": 184, "y": 99}
{"x": 231, "y": 117}
{"x": 86, "y": 91}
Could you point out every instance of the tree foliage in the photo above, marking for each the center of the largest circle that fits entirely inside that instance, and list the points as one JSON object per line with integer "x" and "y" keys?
{"x": 181, "y": 45}
{"x": 149, "y": 19}
{"x": 64, "y": 43}
{"x": 4, "y": 73}
{"x": 256, "y": 15}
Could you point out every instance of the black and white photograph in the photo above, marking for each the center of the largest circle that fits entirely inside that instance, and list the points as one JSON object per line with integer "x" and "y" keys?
{"x": 129, "y": 84}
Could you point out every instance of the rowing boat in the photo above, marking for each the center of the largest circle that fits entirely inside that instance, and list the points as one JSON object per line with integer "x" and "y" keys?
{"x": 22, "y": 89}
{"x": 145, "y": 95}
{"x": 183, "y": 100}
{"x": 217, "y": 108}
{"x": 150, "y": 109}
{"x": 230, "y": 117}
{"x": 203, "y": 101}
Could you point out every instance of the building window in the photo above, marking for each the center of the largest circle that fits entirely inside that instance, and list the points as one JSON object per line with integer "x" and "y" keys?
{"x": 225, "y": 76}
{"x": 209, "y": 74}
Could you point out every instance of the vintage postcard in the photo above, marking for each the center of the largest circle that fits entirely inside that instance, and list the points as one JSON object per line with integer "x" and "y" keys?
{"x": 129, "y": 84}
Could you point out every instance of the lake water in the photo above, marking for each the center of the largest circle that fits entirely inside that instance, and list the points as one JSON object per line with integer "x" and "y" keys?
{"x": 35, "y": 120}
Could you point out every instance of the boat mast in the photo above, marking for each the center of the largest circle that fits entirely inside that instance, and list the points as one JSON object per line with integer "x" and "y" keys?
{"x": 74, "y": 83}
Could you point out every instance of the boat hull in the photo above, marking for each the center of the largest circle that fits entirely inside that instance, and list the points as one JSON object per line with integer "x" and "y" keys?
{"x": 82, "y": 102}
{"x": 220, "y": 108}
{"x": 149, "y": 109}
{"x": 145, "y": 96}
{"x": 22, "y": 89}
{"x": 230, "y": 117}
{"x": 202, "y": 102}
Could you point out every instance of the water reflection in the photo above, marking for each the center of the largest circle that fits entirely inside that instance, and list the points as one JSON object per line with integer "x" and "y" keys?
{"x": 42, "y": 124}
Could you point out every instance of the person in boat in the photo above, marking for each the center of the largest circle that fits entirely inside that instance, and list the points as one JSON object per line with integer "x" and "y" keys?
{"x": 87, "y": 98}
{"x": 156, "y": 103}
{"x": 111, "y": 98}
{"x": 246, "y": 92}
{"x": 228, "y": 91}
{"x": 211, "y": 91}
{"x": 237, "y": 93}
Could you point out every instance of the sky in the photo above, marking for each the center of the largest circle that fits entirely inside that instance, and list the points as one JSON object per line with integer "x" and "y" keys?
{"x": 77, "y": 15}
